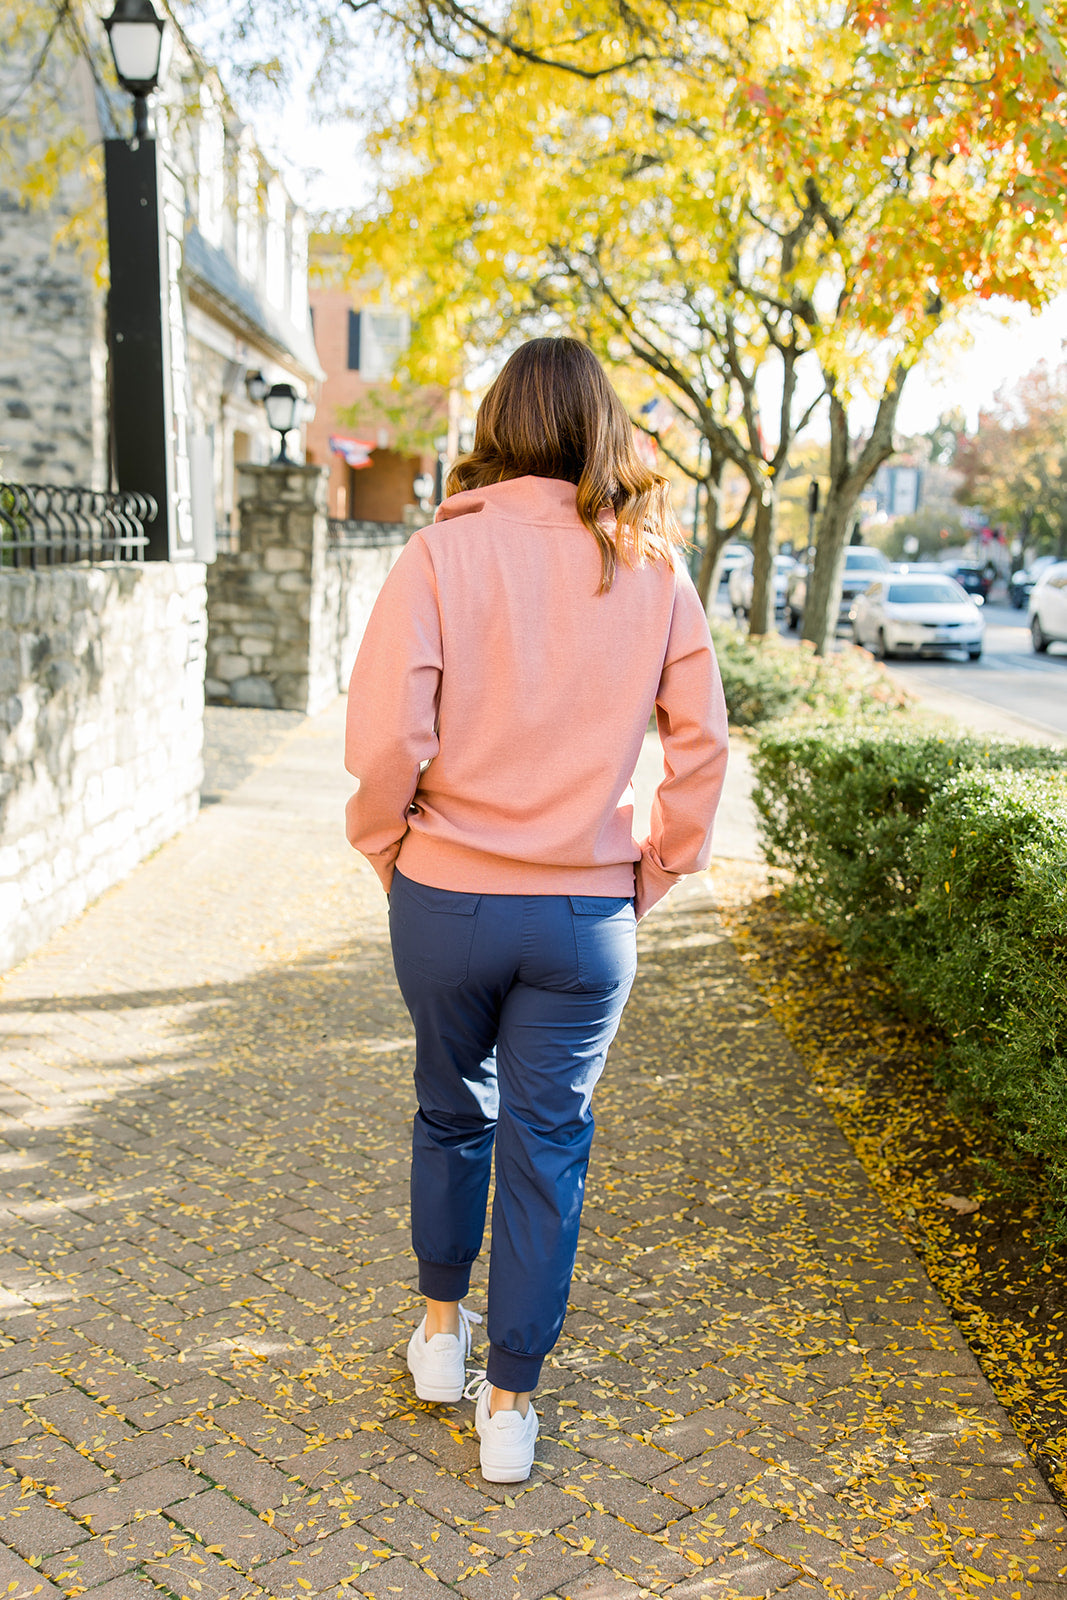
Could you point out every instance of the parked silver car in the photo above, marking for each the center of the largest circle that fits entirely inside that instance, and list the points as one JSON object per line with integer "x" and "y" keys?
{"x": 739, "y": 588}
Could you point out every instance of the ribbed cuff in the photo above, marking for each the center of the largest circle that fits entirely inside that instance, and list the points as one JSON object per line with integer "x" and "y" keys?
{"x": 440, "y": 1281}
{"x": 652, "y": 881}
{"x": 507, "y": 1369}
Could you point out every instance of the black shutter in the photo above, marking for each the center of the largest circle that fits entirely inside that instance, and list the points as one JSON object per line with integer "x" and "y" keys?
{"x": 353, "y": 341}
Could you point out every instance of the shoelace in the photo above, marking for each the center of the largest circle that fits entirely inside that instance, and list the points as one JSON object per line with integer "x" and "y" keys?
{"x": 476, "y": 1385}
{"x": 466, "y": 1318}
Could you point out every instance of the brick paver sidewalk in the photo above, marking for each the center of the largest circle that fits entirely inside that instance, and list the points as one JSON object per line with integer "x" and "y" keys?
{"x": 209, "y": 1288}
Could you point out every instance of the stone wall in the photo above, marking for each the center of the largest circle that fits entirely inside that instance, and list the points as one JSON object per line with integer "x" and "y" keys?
{"x": 101, "y": 728}
{"x": 286, "y": 612}
{"x": 353, "y": 579}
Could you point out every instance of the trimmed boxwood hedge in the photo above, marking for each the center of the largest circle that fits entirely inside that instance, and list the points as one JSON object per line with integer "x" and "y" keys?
{"x": 944, "y": 860}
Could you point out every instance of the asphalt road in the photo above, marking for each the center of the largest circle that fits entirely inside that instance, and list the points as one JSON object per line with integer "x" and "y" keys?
{"x": 1009, "y": 676}
{"x": 1028, "y": 689}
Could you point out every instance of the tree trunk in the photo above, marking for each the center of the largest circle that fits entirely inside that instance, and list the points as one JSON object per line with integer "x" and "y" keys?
{"x": 764, "y": 549}
{"x": 715, "y": 538}
{"x": 848, "y": 479}
{"x": 822, "y": 601}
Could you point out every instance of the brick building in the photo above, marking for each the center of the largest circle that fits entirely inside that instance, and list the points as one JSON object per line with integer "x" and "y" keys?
{"x": 374, "y": 440}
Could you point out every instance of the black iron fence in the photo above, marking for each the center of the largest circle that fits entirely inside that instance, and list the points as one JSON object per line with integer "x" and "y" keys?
{"x": 347, "y": 533}
{"x": 47, "y": 525}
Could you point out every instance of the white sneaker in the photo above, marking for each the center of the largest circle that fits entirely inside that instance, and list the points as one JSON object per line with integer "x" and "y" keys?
{"x": 508, "y": 1439}
{"x": 437, "y": 1364}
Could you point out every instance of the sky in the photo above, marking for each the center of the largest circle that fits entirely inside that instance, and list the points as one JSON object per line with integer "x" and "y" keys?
{"x": 1004, "y": 345}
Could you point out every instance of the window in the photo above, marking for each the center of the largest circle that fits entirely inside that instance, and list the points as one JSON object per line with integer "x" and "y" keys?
{"x": 247, "y": 209}
{"x": 275, "y": 273}
{"x": 864, "y": 561}
{"x": 926, "y": 594}
{"x": 383, "y": 338}
{"x": 376, "y": 341}
{"x": 211, "y": 168}
{"x": 298, "y": 269}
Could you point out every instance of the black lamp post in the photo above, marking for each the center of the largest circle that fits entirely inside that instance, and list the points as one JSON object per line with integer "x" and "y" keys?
{"x": 147, "y": 367}
{"x": 135, "y": 34}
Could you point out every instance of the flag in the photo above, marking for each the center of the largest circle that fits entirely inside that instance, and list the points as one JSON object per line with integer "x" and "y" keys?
{"x": 355, "y": 451}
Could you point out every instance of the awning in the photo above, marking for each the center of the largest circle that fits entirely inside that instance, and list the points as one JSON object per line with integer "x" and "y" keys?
{"x": 355, "y": 451}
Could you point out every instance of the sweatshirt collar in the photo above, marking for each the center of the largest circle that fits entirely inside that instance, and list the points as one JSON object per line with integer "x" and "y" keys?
{"x": 526, "y": 499}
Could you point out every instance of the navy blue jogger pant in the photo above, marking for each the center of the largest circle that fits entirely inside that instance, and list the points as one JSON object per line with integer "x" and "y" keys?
{"x": 515, "y": 1000}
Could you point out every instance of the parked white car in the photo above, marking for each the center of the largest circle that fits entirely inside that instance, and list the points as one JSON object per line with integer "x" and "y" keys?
{"x": 734, "y": 555}
{"x": 739, "y": 587}
{"x": 1048, "y": 607}
{"x": 917, "y": 614}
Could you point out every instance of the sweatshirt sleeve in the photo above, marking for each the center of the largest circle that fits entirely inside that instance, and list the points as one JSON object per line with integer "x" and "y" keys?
{"x": 392, "y": 708}
{"x": 691, "y": 718}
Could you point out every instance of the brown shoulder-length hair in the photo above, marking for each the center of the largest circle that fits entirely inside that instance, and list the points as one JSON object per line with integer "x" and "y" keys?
{"x": 551, "y": 413}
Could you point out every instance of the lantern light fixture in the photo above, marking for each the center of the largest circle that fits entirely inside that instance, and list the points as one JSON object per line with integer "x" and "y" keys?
{"x": 286, "y": 410}
{"x": 135, "y": 34}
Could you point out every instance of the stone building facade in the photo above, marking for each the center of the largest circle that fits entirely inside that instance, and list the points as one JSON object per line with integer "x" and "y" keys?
{"x": 243, "y": 278}
{"x": 53, "y": 356}
{"x": 103, "y": 663}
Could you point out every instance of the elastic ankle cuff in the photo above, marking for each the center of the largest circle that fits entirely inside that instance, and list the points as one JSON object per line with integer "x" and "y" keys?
{"x": 515, "y": 1373}
{"x": 439, "y": 1281}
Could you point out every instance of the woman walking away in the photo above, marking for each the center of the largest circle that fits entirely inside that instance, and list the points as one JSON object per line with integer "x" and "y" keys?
{"x": 495, "y": 717}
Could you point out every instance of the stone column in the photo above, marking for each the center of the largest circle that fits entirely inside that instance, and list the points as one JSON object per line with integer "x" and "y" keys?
{"x": 264, "y": 603}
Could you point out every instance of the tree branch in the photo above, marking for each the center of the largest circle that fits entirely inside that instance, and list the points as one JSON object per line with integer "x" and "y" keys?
{"x": 507, "y": 42}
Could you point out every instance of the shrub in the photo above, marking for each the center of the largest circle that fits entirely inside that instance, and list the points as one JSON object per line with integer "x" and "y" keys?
{"x": 839, "y": 808}
{"x": 766, "y": 679}
{"x": 944, "y": 860}
{"x": 987, "y": 950}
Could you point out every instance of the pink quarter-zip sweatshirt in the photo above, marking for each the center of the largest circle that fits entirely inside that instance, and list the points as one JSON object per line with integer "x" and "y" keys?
{"x": 498, "y": 705}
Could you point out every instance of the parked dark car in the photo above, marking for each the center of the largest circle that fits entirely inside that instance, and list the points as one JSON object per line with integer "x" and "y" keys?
{"x": 1021, "y": 583}
{"x": 971, "y": 576}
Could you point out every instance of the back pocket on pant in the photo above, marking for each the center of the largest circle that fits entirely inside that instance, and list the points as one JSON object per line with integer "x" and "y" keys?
{"x": 605, "y": 936}
{"x": 432, "y": 930}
